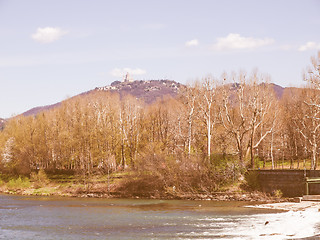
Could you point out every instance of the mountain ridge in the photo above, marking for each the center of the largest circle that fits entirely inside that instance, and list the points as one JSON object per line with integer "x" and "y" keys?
{"x": 147, "y": 90}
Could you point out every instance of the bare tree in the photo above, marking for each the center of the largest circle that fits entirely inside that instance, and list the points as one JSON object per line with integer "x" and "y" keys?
{"x": 262, "y": 112}
{"x": 247, "y": 107}
{"x": 307, "y": 122}
{"x": 233, "y": 112}
{"x": 313, "y": 73}
{"x": 313, "y": 104}
{"x": 207, "y": 103}
{"x": 190, "y": 96}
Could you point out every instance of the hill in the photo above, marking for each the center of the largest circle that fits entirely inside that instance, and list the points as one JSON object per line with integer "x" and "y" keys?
{"x": 36, "y": 110}
{"x": 149, "y": 91}
{"x": 278, "y": 90}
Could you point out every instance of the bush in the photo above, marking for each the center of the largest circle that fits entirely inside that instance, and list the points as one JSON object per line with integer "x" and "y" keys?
{"x": 40, "y": 177}
{"x": 185, "y": 174}
{"x": 143, "y": 185}
{"x": 19, "y": 183}
{"x": 1, "y": 182}
{"x": 277, "y": 193}
{"x": 225, "y": 169}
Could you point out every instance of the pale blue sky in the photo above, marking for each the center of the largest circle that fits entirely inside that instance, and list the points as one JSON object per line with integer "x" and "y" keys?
{"x": 52, "y": 49}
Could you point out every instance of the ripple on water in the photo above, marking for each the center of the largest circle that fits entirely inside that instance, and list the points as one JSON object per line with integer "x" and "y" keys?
{"x": 56, "y": 218}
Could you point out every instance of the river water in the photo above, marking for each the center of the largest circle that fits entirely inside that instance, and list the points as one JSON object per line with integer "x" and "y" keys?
{"x": 24, "y": 217}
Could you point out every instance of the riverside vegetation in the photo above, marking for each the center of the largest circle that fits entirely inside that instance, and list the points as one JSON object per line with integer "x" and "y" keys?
{"x": 201, "y": 142}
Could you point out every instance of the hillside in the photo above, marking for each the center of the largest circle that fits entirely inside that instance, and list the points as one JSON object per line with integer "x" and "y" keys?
{"x": 36, "y": 110}
{"x": 149, "y": 91}
{"x": 278, "y": 90}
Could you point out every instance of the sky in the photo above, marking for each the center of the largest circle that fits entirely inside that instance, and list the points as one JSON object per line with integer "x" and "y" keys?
{"x": 54, "y": 49}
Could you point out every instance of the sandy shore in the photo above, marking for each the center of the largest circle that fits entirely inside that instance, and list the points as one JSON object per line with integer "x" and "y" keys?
{"x": 290, "y": 206}
{"x": 300, "y": 220}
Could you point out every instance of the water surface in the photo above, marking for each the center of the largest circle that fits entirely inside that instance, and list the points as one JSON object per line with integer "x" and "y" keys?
{"x": 24, "y": 217}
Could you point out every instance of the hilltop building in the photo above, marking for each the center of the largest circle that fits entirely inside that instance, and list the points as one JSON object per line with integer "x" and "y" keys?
{"x": 127, "y": 78}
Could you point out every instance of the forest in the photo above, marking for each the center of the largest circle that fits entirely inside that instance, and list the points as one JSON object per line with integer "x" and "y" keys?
{"x": 209, "y": 135}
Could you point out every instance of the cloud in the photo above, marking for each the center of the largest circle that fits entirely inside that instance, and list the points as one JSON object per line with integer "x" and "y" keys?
{"x": 235, "y": 41}
{"x": 191, "y": 43}
{"x": 120, "y": 72}
{"x": 48, "y": 34}
{"x": 309, "y": 46}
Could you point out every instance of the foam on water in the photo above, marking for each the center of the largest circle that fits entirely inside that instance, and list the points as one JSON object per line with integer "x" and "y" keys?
{"x": 285, "y": 225}
{"x": 74, "y": 219}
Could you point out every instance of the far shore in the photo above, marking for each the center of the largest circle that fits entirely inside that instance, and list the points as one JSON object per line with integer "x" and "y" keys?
{"x": 252, "y": 197}
{"x": 123, "y": 185}
{"x": 257, "y": 199}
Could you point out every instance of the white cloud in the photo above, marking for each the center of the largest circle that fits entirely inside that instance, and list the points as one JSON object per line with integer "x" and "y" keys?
{"x": 120, "y": 72}
{"x": 48, "y": 34}
{"x": 235, "y": 41}
{"x": 309, "y": 46}
{"x": 191, "y": 43}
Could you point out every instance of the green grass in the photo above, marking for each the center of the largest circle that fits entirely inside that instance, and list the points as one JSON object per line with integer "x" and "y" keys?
{"x": 19, "y": 183}
{"x": 44, "y": 191}
{"x": 286, "y": 164}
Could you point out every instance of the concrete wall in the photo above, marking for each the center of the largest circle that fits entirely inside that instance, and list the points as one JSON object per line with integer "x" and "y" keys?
{"x": 290, "y": 182}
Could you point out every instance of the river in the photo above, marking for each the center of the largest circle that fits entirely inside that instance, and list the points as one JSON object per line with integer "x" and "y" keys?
{"x": 25, "y": 217}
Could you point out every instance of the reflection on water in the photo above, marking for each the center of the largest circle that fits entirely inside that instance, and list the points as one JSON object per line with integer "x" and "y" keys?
{"x": 69, "y": 218}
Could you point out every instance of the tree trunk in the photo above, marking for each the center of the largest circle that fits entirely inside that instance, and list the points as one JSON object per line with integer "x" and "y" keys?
{"x": 271, "y": 151}
{"x": 189, "y": 136}
{"x": 252, "y": 165}
{"x": 314, "y": 153}
{"x": 209, "y": 137}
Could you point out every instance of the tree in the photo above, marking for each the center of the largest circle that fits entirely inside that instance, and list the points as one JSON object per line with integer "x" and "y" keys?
{"x": 7, "y": 155}
{"x": 233, "y": 111}
{"x": 313, "y": 73}
{"x": 247, "y": 112}
{"x": 313, "y": 105}
{"x": 207, "y": 98}
{"x": 189, "y": 98}
{"x": 307, "y": 122}
{"x": 130, "y": 113}
{"x": 262, "y": 112}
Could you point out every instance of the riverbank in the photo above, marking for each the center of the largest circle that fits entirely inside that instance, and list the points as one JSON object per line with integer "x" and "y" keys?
{"x": 120, "y": 185}
{"x": 216, "y": 196}
{"x": 100, "y": 191}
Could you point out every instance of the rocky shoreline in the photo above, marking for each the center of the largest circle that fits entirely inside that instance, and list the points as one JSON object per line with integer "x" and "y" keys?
{"x": 258, "y": 197}
{"x": 260, "y": 200}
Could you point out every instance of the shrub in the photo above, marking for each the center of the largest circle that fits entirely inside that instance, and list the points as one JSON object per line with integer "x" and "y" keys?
{"x": 19, "y": 183}
{"x": 277, "y": 193}
{"x": 143, "y": 185}
{"x": 40, "y": 177}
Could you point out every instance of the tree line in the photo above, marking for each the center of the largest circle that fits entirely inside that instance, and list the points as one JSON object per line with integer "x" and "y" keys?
{"x": 214, "y": 129}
